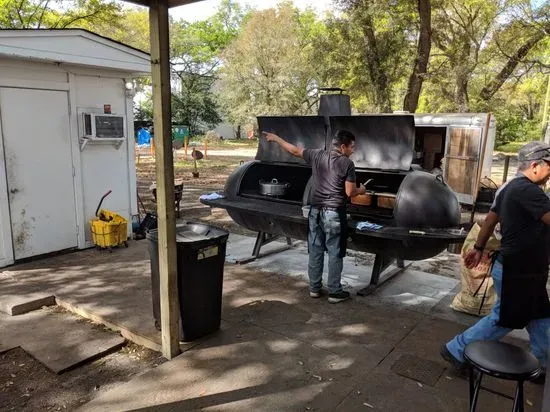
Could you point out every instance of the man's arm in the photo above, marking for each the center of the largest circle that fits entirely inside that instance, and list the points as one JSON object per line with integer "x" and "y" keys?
{"x": 352, "y": 190}
{"x": 290, "y": 148}
{"x": 546, "y": 218}
{"x": 473, "y": 257}
{"x": 487, "y": 229}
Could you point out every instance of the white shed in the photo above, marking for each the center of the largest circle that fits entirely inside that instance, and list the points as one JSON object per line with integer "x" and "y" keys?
{"x": 66, "y": 137}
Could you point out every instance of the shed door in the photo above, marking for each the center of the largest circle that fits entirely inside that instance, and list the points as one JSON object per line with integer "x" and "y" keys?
{"x": 6, "y": 252}
{"x": 37, "y": 149}
{"x": 462, "y": 161}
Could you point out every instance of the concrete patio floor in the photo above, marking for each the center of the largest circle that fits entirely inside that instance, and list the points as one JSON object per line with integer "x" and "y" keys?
{"x": 277, "y": 349}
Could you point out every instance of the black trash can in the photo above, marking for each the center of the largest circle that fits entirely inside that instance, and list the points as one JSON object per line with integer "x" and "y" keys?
{"x": 201, "y": 258}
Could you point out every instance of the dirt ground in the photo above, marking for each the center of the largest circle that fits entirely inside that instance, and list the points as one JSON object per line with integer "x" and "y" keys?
{"x": 27, "y": 385}
{"x": 213, "y": 169}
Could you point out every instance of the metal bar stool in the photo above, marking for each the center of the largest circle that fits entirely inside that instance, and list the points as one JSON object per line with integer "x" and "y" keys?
{"x": 500, "y": 360}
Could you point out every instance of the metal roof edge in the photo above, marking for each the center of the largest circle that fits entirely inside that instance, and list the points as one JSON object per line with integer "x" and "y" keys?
{"x": 144, "y": 66}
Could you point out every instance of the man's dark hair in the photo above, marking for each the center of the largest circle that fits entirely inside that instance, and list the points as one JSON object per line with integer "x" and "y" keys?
{"x": 342, "y": 137}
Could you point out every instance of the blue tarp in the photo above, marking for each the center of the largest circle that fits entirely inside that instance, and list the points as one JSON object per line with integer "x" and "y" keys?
{"x": 143, "y": 136}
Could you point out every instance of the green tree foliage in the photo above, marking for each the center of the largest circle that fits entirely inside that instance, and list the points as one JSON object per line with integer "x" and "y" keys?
{"x": 423, "y": 55}
{"x": 195, "y": 54}
{"x": 460, "y": 31}
{"x": 131, "y": 28}
{"x": 57, "y": 14}
{"x": 518, "y": 109}
{"x": 270, "y": 67}
{"x": 382, "y": 37}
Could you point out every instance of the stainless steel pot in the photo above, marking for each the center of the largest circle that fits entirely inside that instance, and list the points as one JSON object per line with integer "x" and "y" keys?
{"x": 273, "y": 188}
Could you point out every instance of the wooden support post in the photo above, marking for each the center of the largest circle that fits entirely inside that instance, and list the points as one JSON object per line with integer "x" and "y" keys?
{"x": 185, "y": 143}
{"x": 160, "y": 68}
{"x": 206, "y": 150}
{"x": 505, "y": 171}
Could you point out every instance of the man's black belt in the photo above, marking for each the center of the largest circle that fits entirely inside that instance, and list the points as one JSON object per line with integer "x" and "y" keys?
{"x": 335, "y": 209}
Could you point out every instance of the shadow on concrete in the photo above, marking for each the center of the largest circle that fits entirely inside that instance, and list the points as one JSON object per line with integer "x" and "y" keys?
{"x": 278, "y": 349}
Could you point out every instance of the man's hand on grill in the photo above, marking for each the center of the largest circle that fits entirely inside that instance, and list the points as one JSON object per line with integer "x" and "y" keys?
{"x": 270, "y": 137}
{"x": 290, "y": 148}
{"x": 472, "y": 258}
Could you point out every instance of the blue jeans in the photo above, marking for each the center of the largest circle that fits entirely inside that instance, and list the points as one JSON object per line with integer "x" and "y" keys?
{"x": 324, "y": 233}
{"x": 488, "y": 329}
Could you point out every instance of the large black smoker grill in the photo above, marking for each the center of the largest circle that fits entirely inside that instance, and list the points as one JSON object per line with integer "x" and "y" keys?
{"x": 423, "y": 222}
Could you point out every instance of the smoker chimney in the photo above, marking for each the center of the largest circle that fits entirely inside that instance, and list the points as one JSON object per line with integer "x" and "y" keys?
{"x": 334, "y": 104}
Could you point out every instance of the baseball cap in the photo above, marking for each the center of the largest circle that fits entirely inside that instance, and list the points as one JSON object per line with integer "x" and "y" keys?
{"x": 534, "y": 151}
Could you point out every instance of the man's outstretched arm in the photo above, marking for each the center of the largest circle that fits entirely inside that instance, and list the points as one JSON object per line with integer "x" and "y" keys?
{"x": 290, "y": 148}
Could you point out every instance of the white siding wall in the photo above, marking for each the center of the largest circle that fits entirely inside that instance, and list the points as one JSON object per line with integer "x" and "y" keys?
{"x": 15, "y": 69}
{"x": 103, "y": 166}
{"x": 99, "y": 167}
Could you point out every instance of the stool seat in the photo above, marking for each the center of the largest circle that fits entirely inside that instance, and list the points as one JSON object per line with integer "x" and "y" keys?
{"x": 502, "y": 360}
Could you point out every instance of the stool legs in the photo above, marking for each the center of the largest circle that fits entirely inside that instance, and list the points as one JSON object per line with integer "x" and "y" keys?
{"x": 475, "y": 385}
{"x": 518, "y": 399}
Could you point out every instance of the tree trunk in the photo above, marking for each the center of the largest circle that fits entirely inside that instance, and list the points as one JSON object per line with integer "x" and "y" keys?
{"x": 494, "y": 85}
{"x": 376, "y": 72}
{"x": 416, "y": 79}
{"x": 461, "y": 93}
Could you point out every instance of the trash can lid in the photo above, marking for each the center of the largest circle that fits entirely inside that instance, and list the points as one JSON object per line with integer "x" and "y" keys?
{"x": 191, "y": 232}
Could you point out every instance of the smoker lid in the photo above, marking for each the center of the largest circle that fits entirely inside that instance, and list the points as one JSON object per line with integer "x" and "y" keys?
{"x": 381, "y": 141}
{"x": 302, "y": 131}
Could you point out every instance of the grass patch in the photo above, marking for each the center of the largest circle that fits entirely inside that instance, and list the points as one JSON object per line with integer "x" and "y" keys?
{"x": 207, "y": 163}
{"x": 252, "y": 143}
{"x": 224, "y": 144}
{"x": 512, "y": 147}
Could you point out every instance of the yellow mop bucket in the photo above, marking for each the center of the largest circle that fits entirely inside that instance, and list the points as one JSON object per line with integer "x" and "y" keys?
{"x": 109, "y": 229}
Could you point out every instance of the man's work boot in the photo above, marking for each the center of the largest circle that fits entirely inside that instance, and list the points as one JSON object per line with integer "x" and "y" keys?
{"x": 316, "y": 294}
{"x": 459, "y": 367}
{"x": 338, "y": 297}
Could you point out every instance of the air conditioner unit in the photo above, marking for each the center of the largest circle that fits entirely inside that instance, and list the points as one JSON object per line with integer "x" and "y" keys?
{"x": 100, "y": 127}
{"x": 103, "y": 126}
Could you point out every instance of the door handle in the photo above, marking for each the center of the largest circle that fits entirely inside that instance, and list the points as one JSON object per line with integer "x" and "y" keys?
{"x": 14, "y": 191}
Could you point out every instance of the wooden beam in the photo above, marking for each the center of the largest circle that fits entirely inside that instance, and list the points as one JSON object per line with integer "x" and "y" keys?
{"x": 171, "y": 3}
{"x": 162, "y": 114}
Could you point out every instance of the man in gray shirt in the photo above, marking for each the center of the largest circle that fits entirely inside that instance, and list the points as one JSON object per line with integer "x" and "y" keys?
{"x": 333, "y": 181}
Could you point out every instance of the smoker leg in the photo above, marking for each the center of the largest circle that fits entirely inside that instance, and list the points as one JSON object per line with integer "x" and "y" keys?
{"x": 262, "y": 239}
{"x": 472, "y": 215}
{"x": 381, "y": 263}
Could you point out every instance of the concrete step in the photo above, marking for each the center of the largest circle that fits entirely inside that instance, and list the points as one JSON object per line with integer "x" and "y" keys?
{"x": 18, "y": 305}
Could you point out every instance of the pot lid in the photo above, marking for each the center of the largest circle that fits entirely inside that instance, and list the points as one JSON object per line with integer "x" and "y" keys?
{"x": 302, "y": 131}
{"x": 381, "y": 141}
{"x": 273, "y": 182}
